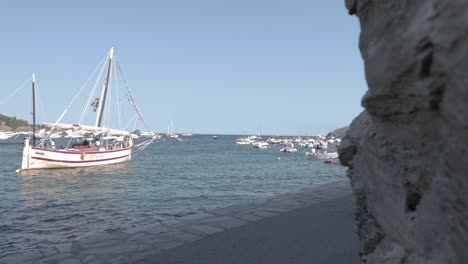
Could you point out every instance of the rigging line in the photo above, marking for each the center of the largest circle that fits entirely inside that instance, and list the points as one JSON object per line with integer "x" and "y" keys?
{"x": 81, "y": 89}
{"x": 47, "y": 135}
{"x": 93, "y": 92}
{"x": 69, "y": 141}
{"x": 135, "y": 124}
{"x": 143, "y": 145}
{"x": 132, "y": 99}
{"x": 39, "y": 115}
{"x": 91, "y": 95}
{"x": 123, "y": 115}
{"x": 107, "y": 116}
{"x": 15, "y": 91}
{"x": 129, "y": 124}
{"x": 108, "y": 110}
{"x": 40, "y": 105}
{"x": 117, "y": 95}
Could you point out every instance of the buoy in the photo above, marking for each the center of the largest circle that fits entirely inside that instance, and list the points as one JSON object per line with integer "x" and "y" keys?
{"x": 17, "y": 171}
{"x": 278, "y": 158}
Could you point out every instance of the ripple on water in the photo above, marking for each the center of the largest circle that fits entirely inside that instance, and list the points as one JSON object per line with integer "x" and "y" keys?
{"x": 170, "y": 179}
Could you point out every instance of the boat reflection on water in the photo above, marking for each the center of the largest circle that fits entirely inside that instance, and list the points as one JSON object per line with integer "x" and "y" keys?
{"x": 74, "y": 186}
{"x": 79, "y": 171}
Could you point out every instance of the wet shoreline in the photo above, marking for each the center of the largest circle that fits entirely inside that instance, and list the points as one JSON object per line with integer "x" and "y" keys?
{"x": 148, "y": 241}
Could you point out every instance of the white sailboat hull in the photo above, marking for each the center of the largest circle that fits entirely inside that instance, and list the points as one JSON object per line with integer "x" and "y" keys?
{"x": 42, "y": 158}
{"x": 90, "y": 152}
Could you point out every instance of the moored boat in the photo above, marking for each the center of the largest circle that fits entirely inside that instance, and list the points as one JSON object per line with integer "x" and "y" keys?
{"x": 324, "y": 155}
{"x": 101, "y": 145}
{"x": 289, "y": 147}
{"x": 261, "y": 144}
{"x": 7, "y": 135}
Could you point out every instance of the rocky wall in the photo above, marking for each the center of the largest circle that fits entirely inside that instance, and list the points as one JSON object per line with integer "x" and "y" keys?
{"x": 407, "y": 153}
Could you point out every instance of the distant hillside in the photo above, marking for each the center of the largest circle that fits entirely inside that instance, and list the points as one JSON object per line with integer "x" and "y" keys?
{"x": 11, "y": 123}
{"x": 338, "y": 133}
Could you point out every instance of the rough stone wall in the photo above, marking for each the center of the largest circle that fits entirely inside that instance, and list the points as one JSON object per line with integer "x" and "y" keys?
{"x": 407, "y": 153}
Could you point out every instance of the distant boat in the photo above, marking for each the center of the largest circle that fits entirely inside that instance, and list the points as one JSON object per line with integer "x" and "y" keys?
{"x": 274, "y": 140}
{"x": 7, "y": 135}
{"x": 170, "y": 131}
{"x": 289, "y": 147}
{"x": 243, "y": 141}
{"x": 215, "y": 137}
{"x": 322, "y": 155}
{"x": 187, "y": 134}
{"x": 92, "y": 151}
{"x": 248, "y": 140}
{"x": 261, "y": 144}
{"x": 148, "y": 134}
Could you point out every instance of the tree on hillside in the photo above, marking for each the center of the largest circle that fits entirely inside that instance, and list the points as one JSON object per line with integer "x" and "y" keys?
{"x": 12, "y": 122}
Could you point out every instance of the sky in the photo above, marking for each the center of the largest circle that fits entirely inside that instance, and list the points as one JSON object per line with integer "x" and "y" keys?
{"x": 211, "y": 66}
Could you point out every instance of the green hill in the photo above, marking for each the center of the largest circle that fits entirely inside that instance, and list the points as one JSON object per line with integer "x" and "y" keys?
{"x": 12, "y": 122}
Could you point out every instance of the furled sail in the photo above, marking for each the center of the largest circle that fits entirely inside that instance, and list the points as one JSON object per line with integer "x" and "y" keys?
{"x": 82, "y": 129}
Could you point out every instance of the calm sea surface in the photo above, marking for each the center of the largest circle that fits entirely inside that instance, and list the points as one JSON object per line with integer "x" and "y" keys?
{"x": 168, "y": 179}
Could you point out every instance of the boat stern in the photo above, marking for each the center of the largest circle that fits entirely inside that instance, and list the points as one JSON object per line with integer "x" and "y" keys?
{"x": 26, "y": 156}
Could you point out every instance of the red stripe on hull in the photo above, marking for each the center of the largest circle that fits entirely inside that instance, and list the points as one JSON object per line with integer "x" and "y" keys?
{"x": 78, "y": 151}
{"x": 78, "y": 161}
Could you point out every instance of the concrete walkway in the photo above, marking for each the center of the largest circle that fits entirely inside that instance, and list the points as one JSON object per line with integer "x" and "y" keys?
{"x": 311, "y": 226}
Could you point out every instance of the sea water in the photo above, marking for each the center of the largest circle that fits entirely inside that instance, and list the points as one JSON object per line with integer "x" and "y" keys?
{"x": 169, "y": 179}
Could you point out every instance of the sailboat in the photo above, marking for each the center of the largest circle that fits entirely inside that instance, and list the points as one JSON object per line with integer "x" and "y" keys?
{"x": 170, "y": 131}
{"x": 101, "y": 145}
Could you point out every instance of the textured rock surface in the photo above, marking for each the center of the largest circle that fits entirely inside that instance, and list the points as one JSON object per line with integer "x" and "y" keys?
{"x": 337, "y": 133}
{"x": 407, "y": 152}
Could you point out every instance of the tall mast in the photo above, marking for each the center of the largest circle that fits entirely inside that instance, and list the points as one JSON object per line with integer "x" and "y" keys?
{"x": 34, "y": 109}
{"x": 102, "y": 100}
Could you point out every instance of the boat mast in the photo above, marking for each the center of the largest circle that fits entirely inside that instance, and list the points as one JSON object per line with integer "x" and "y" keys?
{"x": 102, "y": 100}
{"x": 33, "y": 110}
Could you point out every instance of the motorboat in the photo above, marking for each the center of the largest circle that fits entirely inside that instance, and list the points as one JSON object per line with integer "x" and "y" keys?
{"x": 289, "y": 147}
{"x": 261, "y": 144}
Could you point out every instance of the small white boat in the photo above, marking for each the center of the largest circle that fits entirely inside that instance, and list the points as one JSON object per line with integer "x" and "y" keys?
{"x": 274, "y": 140}
{"x": 147, "y": 134}
{"x": 289, "y": 147}
{"x": 322, "y": 155}
{"x": 187, "y": 134}
{"x": 170, "y": 131}
{"x": 243, "y": 141}
{"x": 6, "y": 135}
{"x": 261, "y": 144}
{"x": 255, "y": 137}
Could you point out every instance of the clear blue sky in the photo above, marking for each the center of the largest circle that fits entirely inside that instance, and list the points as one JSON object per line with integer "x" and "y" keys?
{"x": 227, "y": 67}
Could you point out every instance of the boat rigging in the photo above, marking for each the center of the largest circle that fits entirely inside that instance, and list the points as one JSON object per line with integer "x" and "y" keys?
{"x": 102, "y": 145}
